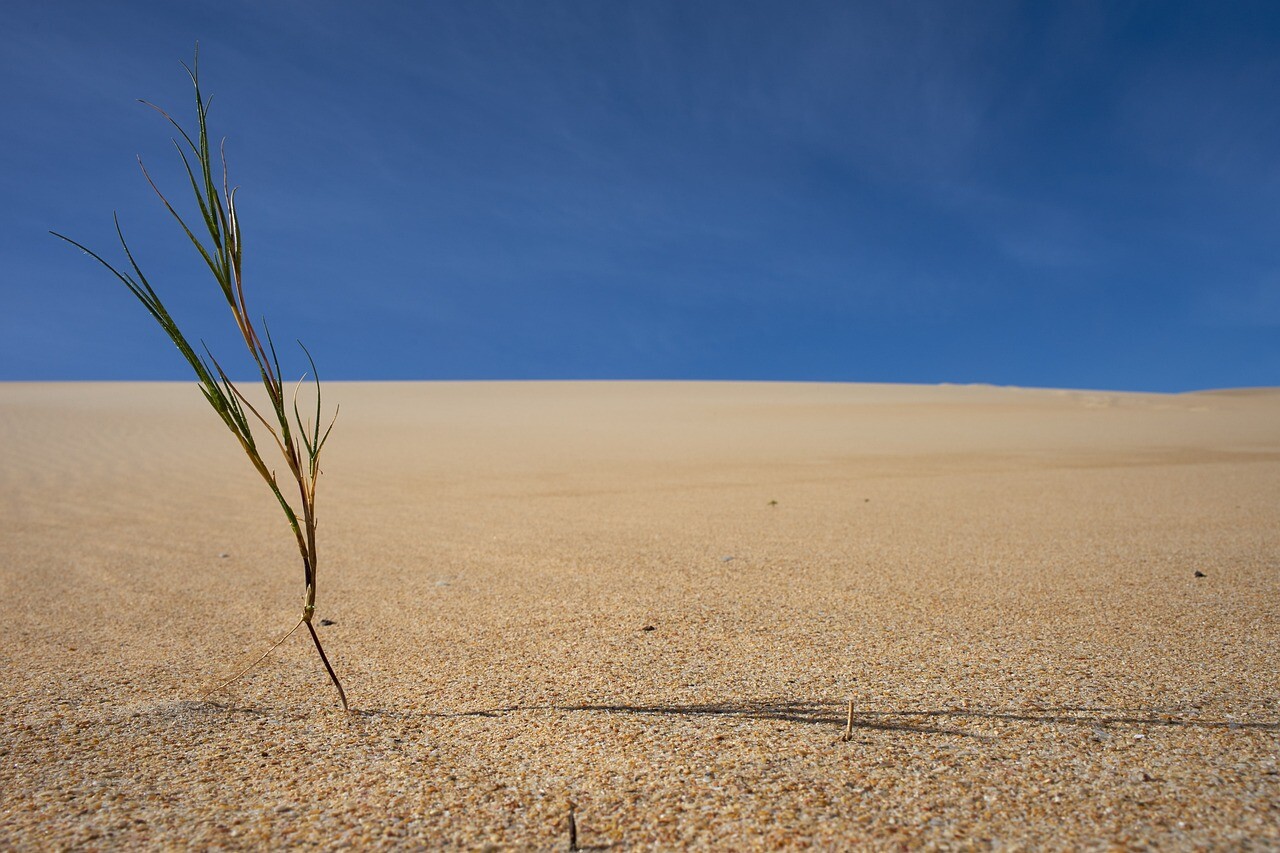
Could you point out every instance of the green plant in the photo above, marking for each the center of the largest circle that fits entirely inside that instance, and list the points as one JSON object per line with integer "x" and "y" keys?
{"x": 300, "y": 443}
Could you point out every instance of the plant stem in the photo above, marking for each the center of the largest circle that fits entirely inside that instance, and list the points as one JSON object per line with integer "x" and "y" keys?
{"x": 324, "y": 658}
{"x": 233, "y": 679}
{"x": 222, "y": 254}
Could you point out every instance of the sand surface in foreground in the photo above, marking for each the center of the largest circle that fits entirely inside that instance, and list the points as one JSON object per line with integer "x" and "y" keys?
{"x": 654, "y": 600}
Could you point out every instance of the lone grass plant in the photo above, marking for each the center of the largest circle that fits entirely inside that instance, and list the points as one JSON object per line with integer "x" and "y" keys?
{"x": 299, "y": 442}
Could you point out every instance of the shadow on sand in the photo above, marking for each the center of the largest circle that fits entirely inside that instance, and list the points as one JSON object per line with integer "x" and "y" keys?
{"x": 932, "y": 721}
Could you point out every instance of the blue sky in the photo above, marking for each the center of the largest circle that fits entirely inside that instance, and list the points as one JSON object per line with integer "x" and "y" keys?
{"x": 1053, "y": 194}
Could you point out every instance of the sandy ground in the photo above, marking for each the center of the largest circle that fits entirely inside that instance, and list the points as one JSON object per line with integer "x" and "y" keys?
{"x": 655, "y": 601}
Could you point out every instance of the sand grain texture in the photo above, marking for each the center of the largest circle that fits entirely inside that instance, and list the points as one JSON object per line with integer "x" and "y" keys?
{"x": 654, "y": 600}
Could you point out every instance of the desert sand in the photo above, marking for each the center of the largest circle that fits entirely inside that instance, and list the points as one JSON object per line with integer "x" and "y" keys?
{"x": 656, "y": 601}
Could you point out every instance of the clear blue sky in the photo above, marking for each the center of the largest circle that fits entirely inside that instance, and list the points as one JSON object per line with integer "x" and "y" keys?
{"x": 1066, "y": 194}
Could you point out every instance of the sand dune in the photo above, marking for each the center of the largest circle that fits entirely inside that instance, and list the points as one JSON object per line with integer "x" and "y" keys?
{"x": 654, "y": 600}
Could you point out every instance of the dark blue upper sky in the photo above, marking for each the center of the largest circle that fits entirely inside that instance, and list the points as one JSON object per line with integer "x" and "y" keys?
{"x": 1058, "y": 194}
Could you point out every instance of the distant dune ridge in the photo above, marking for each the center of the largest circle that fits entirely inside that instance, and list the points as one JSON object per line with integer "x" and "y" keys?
{"x": 1055, "y": 612}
